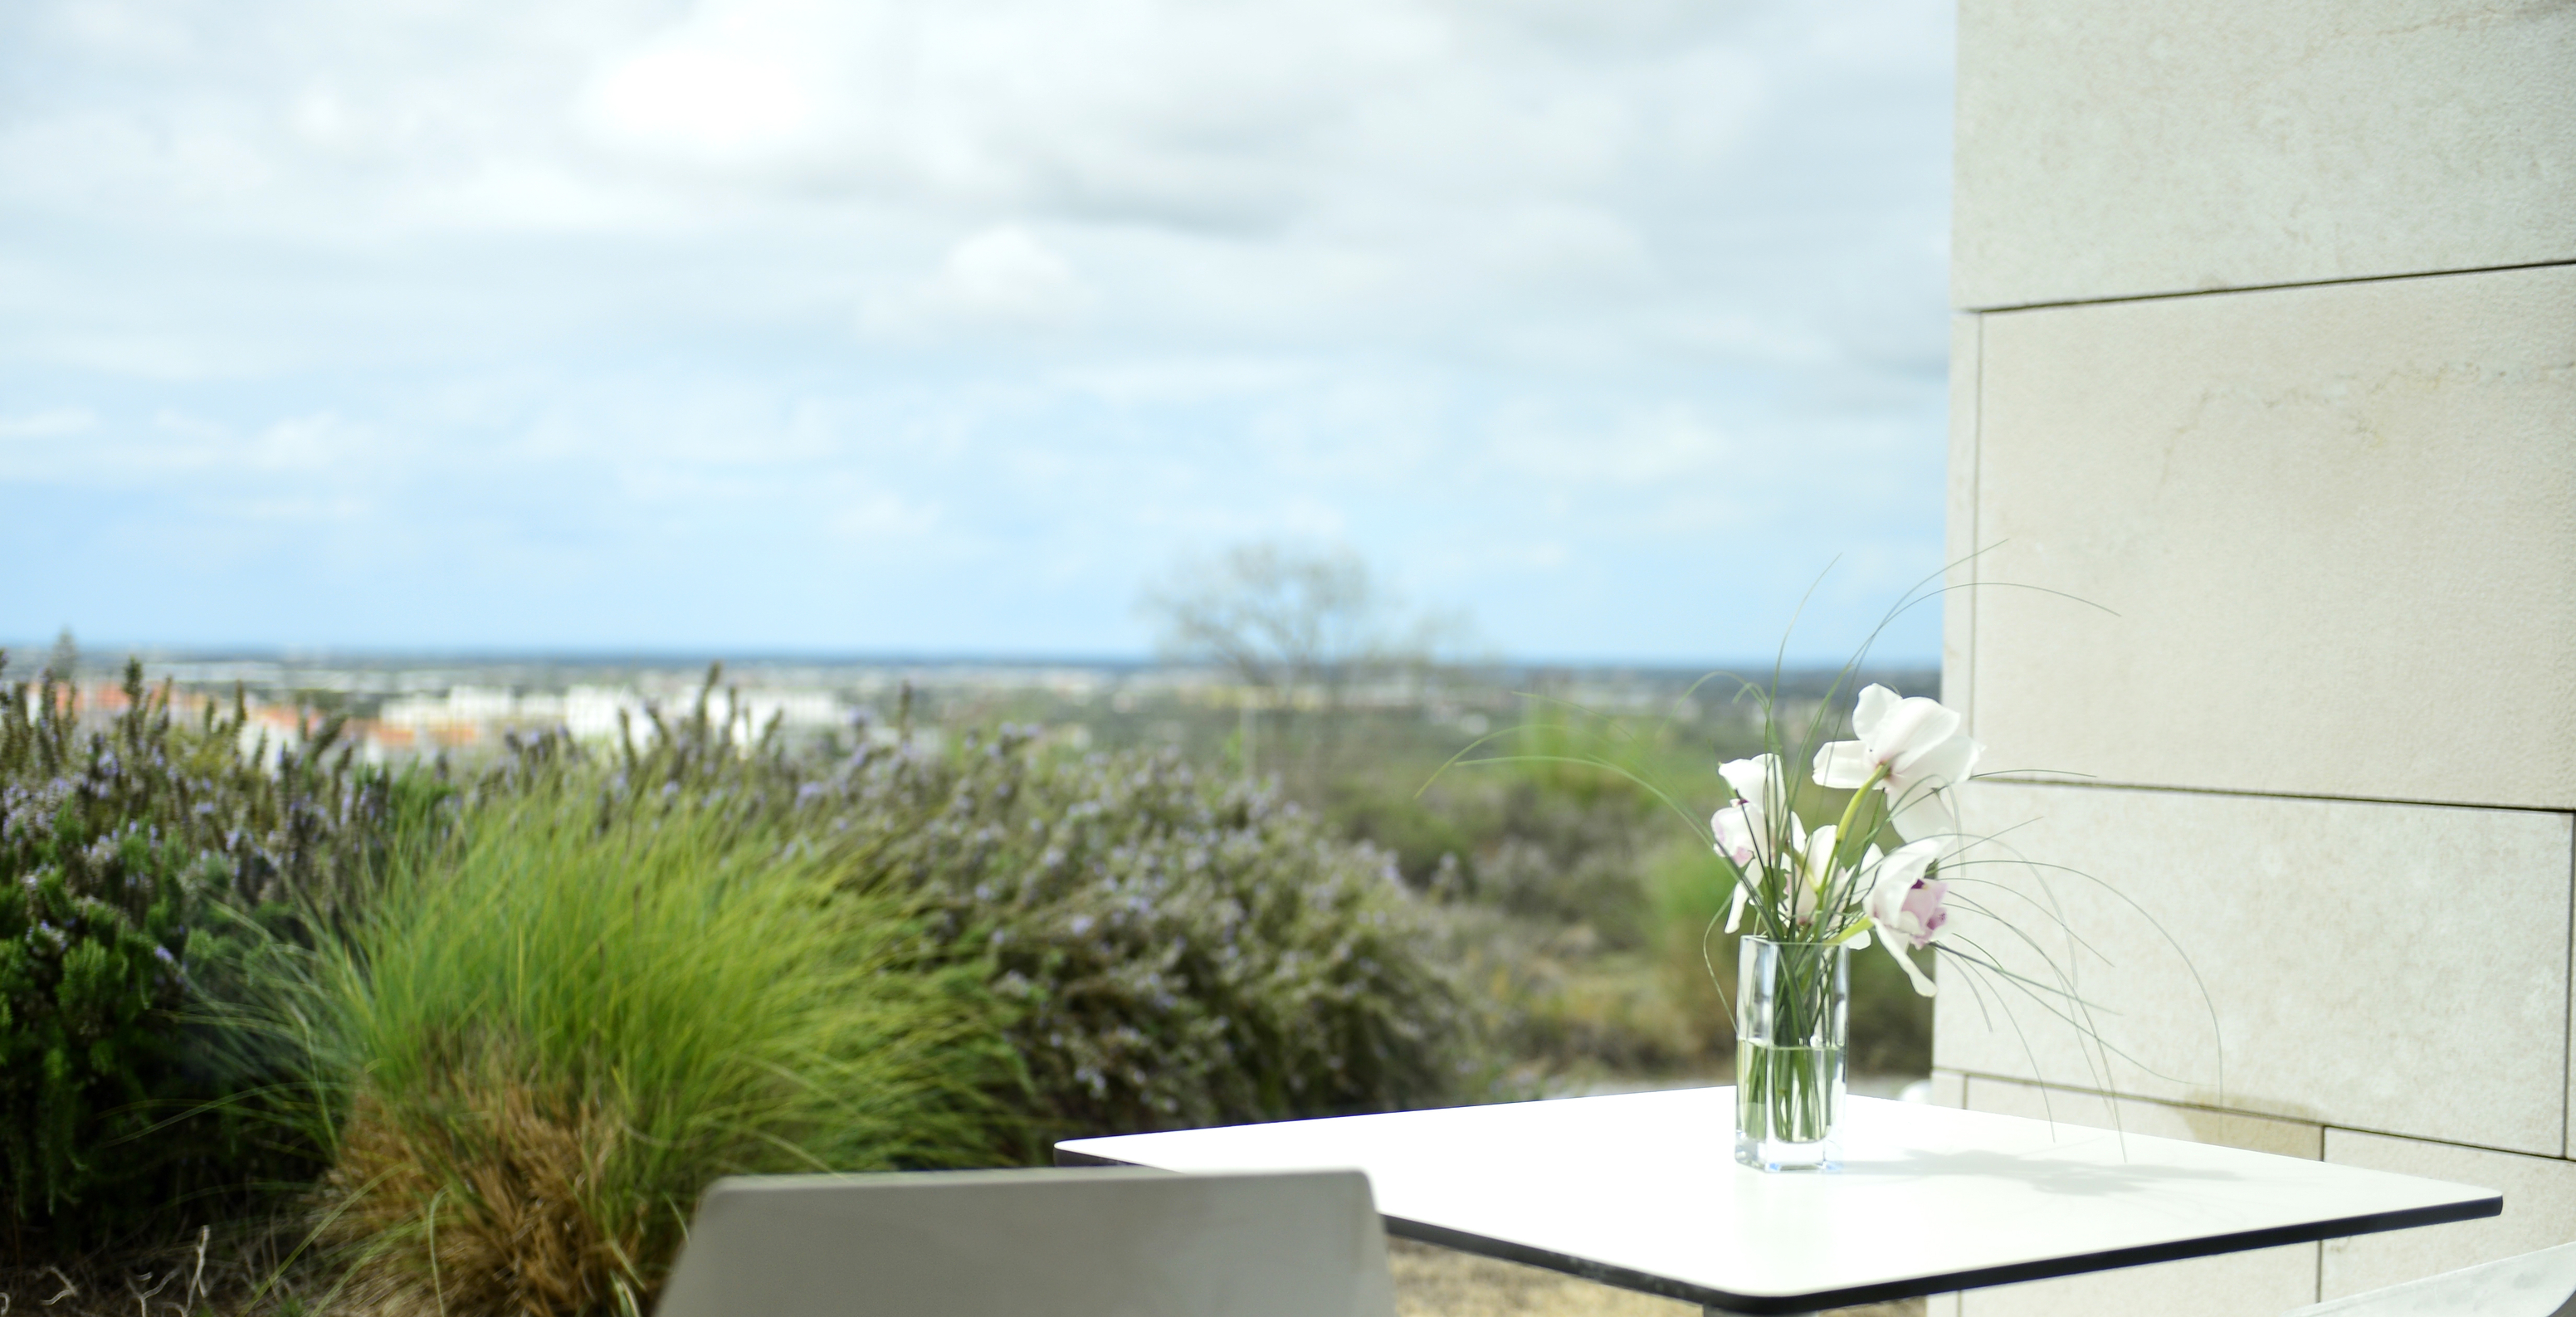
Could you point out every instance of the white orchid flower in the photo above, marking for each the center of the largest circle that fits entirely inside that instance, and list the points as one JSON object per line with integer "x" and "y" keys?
{"x": 1815, "y": 871}
{"x": 1744, "y": 837}
{"x": 1915, "y": 752}
{"x": 1739, "y": 839}
{"x": 1757, "y": 781}
{"x": 1906, "y": 907}
{"x": 1743, "y": 829}
{"x": 1858, "y": 936}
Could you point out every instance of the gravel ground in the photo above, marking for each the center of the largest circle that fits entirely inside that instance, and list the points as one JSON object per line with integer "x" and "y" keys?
{"x": 1440, "y": 1282}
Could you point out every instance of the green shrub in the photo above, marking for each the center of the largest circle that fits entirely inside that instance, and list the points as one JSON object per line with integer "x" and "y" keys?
{"x": 1178, "y": 951}
{"x": 553, "y": 1031}
{"x": 119, "y": 848}
{"x": 1173, "y": 949}
{"x": 92, "y": 929}
{"x": 1578, "y": 901}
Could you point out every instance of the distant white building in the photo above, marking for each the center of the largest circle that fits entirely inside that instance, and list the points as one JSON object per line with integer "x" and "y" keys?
{"x": 589, "y": 713}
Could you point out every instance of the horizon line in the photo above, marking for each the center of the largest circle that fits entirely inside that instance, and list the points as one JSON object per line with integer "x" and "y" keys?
{"x": 32, "y": 656}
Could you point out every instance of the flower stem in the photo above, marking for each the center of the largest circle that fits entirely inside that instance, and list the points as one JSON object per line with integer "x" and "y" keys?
{"x": 1842, "y": 830}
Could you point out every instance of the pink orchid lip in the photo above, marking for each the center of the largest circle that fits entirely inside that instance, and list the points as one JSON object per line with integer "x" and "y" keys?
{"x": 1923, "y": 904}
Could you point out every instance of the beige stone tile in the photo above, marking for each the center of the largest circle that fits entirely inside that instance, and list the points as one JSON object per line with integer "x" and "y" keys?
{"x": 2162, "y": 1120}
{"x": 2539, "y": 1212}
{"x": 1949, "y": 1088}
{"x": 2401, "y": 968}
{"x": 2335, "y": 530}
{"x": 2109, "y": 150}
{"x": 2261, "y": 1283}
{"x": 1958, "y": 616}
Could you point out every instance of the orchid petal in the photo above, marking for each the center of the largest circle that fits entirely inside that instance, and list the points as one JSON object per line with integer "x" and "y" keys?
{"x": 1922, "y": 986}
{"x": 1819, "y": 854}
{"x": 1900, "y": 871}
{"x": 1924, "y": 914}
{"x": 1842, "y": 765}
{"x": 1914, "y": 728}
{"x": 1946, "y": 764}
{"x": 1874, "y": 702}
{"x": 1756, "y": 779}
{"x": 1923, "y": 814}
{"x": 1738, "y": 830}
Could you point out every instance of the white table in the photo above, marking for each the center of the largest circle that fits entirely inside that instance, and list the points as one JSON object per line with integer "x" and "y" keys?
{"x": 1642, "y": 1191}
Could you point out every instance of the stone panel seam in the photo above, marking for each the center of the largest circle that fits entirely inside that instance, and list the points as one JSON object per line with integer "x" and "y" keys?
{"x": 2569, "y": 1013}
{"x": 2078, "y": 1090}
{"x": 2443, "y": 1143}
{"x": 2008, "y": 308}
{"x": 2321, "y": 1126}
{"x": 2099, "y": 784}
{"x": 1976, "y": 509}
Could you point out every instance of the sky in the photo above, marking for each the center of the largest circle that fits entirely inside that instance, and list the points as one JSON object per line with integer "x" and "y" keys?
{"x": 884, "y": 326}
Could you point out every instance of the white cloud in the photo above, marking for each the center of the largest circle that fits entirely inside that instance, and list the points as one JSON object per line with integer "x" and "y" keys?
{"x": 816, "y": 290}
{"x": 1656, "y": 446}
{"x": 1189, "y": 378}
{"x": 1002, "y": 277}
{"x": 724, "y": 86}
{"x": 1007, "y": 272}
{"x": 884, "y": 517}
{"x": 316, "y": 442}
{"x": 51, "y": 423}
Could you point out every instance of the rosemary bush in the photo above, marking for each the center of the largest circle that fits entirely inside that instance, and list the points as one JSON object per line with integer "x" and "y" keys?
{"x": 134, "y": 859}
{"x": 1176, "y": 951}
{"x": 1172, "y": 949}
{"x": 227, "y": 968}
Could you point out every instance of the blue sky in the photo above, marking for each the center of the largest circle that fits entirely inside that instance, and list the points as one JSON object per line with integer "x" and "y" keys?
{"x": 868, "y": 326}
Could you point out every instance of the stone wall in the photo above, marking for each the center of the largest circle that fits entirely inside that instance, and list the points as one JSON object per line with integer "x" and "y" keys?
{"x": 2267, "y": 349}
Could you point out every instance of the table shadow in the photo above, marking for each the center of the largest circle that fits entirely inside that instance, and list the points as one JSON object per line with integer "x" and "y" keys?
{"x": 2046, "y": 1174}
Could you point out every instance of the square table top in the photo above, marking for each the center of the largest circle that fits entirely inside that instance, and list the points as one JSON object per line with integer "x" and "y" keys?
{"x": 1642, "y": 1190}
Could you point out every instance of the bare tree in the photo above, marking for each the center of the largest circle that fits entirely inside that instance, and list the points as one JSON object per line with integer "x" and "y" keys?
{"x": 1299, "y": 625}
{"x": 64, "y": 662}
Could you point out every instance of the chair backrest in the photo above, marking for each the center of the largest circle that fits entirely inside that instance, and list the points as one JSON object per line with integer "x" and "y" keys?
{"x": 2541, "y": 1284}
{"x": 1090, "y": 1242}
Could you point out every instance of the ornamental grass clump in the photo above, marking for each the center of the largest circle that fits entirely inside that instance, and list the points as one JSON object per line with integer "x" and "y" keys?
{"x": 553, "y": 1031}
{"x": 1169, "y": 947}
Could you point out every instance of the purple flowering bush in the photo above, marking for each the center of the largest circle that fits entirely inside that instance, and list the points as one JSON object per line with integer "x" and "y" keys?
{"x": 1170, "y": 947}
{"x": 1154, "y": 946}
{"x": 1173, "y": 950}
{"x": 135, "y": 857}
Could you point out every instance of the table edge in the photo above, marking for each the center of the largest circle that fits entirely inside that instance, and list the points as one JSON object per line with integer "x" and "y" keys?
{"x": 2077, "y": 1264}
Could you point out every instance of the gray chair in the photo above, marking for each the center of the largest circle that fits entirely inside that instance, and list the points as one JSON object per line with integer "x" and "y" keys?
{"x": 1091, "y": 1242}
{"x": 2541, "y": 1284}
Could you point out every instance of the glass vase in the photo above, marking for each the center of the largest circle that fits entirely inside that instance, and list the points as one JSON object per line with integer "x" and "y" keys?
{"x": 1792, "y": 1015}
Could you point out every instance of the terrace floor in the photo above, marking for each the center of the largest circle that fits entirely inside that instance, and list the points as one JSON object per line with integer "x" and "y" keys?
{"x": 1438, "y": 1282}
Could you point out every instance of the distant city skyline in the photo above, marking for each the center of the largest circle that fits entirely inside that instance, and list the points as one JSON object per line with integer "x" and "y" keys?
{"x": 755, "y": 326}
{"x": 213, "y": 663}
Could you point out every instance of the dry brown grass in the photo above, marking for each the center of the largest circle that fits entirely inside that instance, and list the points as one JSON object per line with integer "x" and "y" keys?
{"x": 209, "y": 1271}
{"x": 1440, "y": 1282}
{"x": 495, "y": 1209}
